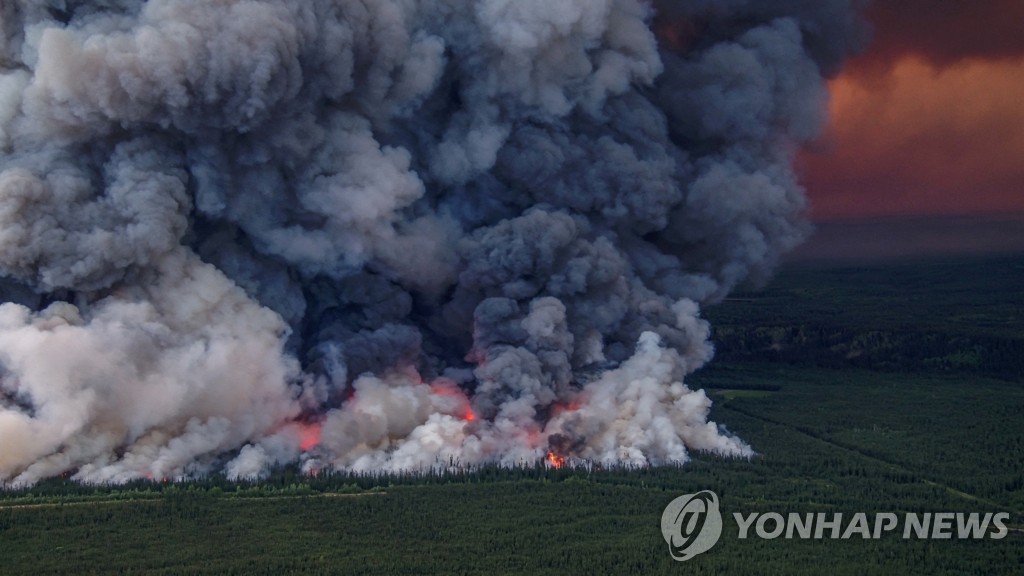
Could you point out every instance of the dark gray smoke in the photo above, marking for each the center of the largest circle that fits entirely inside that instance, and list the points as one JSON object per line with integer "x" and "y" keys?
{"x": 385, "y": 235}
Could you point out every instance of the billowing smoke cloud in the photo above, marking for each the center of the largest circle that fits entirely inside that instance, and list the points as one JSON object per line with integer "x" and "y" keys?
{"x": 385, "y": 235}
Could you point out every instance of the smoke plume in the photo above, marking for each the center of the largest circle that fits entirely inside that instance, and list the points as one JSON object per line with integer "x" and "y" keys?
{"x": 386, "y": 235}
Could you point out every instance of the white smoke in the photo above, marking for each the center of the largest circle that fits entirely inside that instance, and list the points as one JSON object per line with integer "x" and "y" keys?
{"x": 156, "y": 379}
{"x": 385, "y": 235}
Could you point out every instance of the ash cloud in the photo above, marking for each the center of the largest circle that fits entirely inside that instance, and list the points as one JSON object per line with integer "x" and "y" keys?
{"x": 387, "y": 235}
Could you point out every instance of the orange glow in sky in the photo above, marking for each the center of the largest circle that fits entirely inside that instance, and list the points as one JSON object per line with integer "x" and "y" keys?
{"x": 922, "y": 140}
{"x": 929, "y": 120}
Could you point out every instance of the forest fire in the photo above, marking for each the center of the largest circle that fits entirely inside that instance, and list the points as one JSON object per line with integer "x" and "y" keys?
{"x": 309, "y": 436}
{"x": 555, "y": 460}
{"x": 447, "y": 389}
{"x": 511, "y": 218}
{"x": 561, "y": 407}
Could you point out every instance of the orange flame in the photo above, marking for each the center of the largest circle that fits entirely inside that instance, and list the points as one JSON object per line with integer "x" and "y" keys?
{"x": 556, "y": 460}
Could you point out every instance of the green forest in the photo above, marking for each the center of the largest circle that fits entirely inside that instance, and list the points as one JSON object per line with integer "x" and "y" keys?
{"x": 886, "y": 389}
{"x": 935, "y": 316}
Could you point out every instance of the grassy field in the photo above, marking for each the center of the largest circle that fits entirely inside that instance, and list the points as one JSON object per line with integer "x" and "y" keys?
{"x": 830, "y": 437}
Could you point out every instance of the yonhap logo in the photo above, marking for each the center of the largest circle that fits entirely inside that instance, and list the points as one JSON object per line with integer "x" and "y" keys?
{"x": 691, "y": 524}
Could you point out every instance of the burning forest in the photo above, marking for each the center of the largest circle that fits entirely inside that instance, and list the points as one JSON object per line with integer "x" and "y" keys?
{"x": 388, "y": 235}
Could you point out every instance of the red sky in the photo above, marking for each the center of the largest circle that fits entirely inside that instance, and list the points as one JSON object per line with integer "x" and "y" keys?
{"x": 930, "y": 119}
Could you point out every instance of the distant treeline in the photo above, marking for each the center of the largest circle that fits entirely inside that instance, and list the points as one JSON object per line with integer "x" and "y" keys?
{"x": 838, "y": 347}
{"x": 956, "y": 316}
